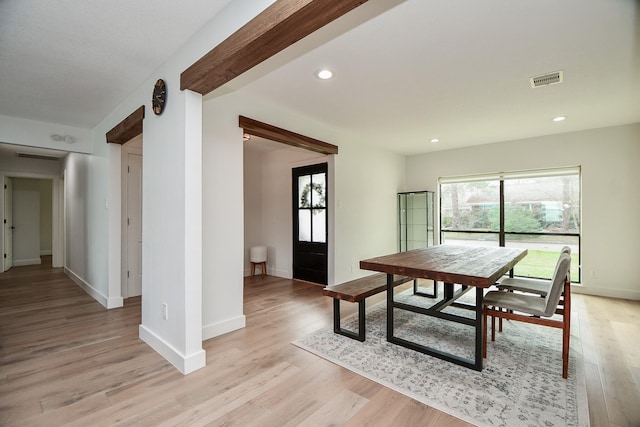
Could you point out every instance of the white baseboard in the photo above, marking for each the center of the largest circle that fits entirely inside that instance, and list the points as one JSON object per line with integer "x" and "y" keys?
{"x": 285, "y": 274}
{"x": 93, "y": 292}
{"x": 185, "y": 364}
{"x": 113, "y": 302}
{"x": 220, "y": 328}
{"x": 610, "y": 293}
{"x": 46, "y": 252}
{"x": 23, "y": 262}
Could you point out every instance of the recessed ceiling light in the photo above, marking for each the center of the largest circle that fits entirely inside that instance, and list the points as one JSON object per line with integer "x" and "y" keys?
{"x": 434, "y": 140}
{"x": 559, "y": 118}
{"x": 324, "y": 74}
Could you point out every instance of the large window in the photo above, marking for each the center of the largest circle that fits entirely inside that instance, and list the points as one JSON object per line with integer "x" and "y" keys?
{"x": 537, "y": 210}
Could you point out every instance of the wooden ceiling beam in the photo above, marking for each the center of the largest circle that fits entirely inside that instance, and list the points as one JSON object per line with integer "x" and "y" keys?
{"x": 273, "y": 133}
{"x": 127, "y": 129}
{"x": 273, "y": 30}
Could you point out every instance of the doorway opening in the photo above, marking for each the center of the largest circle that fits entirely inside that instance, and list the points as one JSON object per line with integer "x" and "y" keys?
{"x": 131, "y": 203}
{"x": 31, "y": 221}
{"x": 270, "y": 156}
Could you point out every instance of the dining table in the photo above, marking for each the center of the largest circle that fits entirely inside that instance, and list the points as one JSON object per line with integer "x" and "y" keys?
{"x": 461, "y": 269}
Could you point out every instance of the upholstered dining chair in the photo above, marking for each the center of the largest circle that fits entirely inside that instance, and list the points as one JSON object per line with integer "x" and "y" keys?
{"x": 533, "y": 309}
{"x": 530, "y": 286}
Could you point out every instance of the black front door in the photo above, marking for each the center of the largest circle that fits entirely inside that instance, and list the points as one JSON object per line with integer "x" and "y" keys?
{"x": 310, "y": 223}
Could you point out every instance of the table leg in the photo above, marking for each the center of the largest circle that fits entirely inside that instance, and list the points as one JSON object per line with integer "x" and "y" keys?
{"x": 389, "y": 306}
{"x": 479, "y": 328}
{"x": 425, "y": 294}
{"x": 448, "y": 291}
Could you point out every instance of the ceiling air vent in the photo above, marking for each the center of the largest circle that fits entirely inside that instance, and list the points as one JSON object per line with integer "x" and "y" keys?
{"x": 36, "y": 156}
{"x": 546, "y": 79}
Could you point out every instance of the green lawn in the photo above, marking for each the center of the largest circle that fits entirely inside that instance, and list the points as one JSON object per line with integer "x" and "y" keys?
{"x": 541, "y": 264}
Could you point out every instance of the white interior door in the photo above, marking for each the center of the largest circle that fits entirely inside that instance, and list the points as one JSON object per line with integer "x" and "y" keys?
{"x": 8, "y": 223}
{"x": 134, "y": 224}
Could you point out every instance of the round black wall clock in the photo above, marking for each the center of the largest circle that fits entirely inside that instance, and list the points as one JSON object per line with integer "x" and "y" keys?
{"x": 159, "y": 97}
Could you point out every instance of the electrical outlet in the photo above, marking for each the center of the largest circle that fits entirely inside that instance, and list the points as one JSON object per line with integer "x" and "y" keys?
{"x": 165, "y": 311}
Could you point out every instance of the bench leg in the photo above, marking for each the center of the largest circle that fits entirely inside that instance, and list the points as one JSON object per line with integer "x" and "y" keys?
{"x": 360, "y": 336}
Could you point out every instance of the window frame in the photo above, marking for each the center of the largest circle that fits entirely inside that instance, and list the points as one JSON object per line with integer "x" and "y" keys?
{"x": 501, "y": 177}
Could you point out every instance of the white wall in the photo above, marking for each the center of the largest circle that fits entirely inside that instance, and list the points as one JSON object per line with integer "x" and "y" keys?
{"x": 38, "y": 134}
{"x": 76, "y": 188}
{"x": 222, "y": 227}
{"x": 46, "y": 218}
{"x": 268, "y": 213}
{"x": 85, "y": 209}
{"x": 367, "y": 183}
{"x": 252, "y": 197}
{"x": 610, "y": 204}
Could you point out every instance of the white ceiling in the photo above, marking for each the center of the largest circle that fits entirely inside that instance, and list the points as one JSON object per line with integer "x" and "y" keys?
{"x": 72, "y": 62}
{"x": 409, "y": 71}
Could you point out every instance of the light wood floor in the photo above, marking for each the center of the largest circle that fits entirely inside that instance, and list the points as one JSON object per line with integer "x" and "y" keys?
{"x": 65, "y": 360}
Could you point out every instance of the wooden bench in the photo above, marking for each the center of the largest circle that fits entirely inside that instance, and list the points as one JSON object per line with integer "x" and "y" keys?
{"x": 357, "y": 291}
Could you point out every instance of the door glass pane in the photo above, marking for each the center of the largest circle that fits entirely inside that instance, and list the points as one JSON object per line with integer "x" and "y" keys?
{"x": 304, "y": 225}
{"x": 318, "y": 195}
{"x": 319, "y": 225}
{"x": 304, "y": 190}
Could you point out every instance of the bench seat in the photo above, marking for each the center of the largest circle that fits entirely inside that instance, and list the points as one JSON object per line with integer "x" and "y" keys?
{"x": 357, "y": 291}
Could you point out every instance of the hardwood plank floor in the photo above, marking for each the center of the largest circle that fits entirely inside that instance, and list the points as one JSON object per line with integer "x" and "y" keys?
{"x": 65, "y": 360}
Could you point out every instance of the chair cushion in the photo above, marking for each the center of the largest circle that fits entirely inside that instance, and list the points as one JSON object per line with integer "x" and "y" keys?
{"x": 530, "y": 304}
{"x": 532, "y": 286}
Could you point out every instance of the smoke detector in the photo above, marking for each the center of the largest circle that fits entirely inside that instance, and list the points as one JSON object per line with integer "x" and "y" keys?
{"x": 546, "y": 79}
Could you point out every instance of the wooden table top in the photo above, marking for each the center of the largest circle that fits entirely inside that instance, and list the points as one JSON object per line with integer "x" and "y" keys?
{"x": 466, "y": 265}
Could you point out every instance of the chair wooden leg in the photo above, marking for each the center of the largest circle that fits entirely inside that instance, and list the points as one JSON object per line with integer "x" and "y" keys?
{"x": 565, "y": 353}
{"x": 253, "y": 269}
{"x": 566, "y": 330}
{"x": 493, "y": 328}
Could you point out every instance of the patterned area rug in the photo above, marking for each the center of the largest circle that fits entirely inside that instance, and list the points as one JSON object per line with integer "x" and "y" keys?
{"x": 521, "y": 383}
